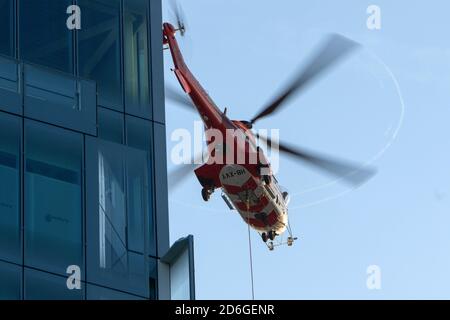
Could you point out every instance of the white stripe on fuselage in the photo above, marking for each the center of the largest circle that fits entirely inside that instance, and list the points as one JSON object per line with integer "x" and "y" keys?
{"x": 237, "y": 176}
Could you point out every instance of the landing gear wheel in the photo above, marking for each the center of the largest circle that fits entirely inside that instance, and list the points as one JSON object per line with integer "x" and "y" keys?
{"x": 264, "y": 237}
{"x": 272, "y": 235}
{"x": 290, "y": 241}
{"x": 270, "y": 246}
{"x": 206, "y": 194}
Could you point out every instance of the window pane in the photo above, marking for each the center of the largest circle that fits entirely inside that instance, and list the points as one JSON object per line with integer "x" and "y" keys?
{"x": 7, "y": 27}
{"x": 137, "y": 87}
{"x": 10, "y": 145}
{"x": 10, "y": 281}
{"x": 111, "y": 210}
{"x": 179, "y": 278}
{"x": 137, "y": 200}
{"x": 99, "y": 49}
{"x": 110, "y": 125}
{"x": 117, "y": 207}
{"x": 53, "y": 198}
{"x": 153, "y": 278}
{"x": 9, "y": 75}
{"x": 180, "y": 259}
{"x": 43, "y": 286}
{"x": 99, "y": 293}
{"x": 44, "y": 37}
{"x": 139, "y": 136}
{"x": 60, "y": 99}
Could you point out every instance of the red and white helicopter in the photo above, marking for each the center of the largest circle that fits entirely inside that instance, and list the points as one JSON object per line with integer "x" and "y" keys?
{"x": 249, "y": 186}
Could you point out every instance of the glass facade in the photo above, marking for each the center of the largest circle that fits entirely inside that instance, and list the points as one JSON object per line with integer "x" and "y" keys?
{"x": 42, "y": 39}
{"x": 7, "y": 20}
{"x": 53, "y": 198}
{"x": 118, "y": 201}
{"x": 40, "y": 285}
{"x": 10, "y": 204}
{"x": 137, "y": 86}
{"x": 110, "y": 125}
{"x": 11, "y": 281}
{"x": 80, "y": 185}
{"x": 99, "y": 49}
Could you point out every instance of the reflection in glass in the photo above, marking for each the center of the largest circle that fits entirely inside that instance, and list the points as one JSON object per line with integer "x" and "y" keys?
{"x": 100, "y": 293}
{"x": 136, "y": 58}
{"x": 138, "y": 202}
{"x": 10, "y": 145}
{"x": 44, "y": 37}
{"x": 116, "y": 226}
{"x": 153, "y": 275}
{"x": 139, "y": 136}
{"x": 110, "y": 125}
{"x": 121, "y": 228}
{"x": 111, "y": 211}
{"x": 7, "y": 27}
{"x": 53, "y": 198}
{"x": 44, "y": 86}
{"x": 10, "y": 281}
{"x": 9, "y": 76}
{"x": 100, "y": 47}
{"x": 45, "y": 286}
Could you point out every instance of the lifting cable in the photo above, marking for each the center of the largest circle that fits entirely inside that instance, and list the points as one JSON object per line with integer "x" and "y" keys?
{"x": 250, "y": 247}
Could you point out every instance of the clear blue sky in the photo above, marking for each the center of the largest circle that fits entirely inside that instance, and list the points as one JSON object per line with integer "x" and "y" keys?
{"x": 242, "y": 52}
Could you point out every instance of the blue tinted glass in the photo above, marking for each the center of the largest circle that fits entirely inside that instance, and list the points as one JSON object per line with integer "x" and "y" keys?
{"x": 112, "y": 211}
{"x": 60, "y": 99}
{"x": 10, "y": 281}
{"x": 100, "y": 48}
{"x": 153, "y": 278}
{"x": 9, "y": 70}
{"x": 7, "y": 27}
{"x": 116, "y": 217}
{"x": 44, "y": 37}
{"x": 53, "y": 198}
{"x": 44, "y": 286}
{"x": 110, "y": 125}
{"x": 139, "y": 136}
{"x": 10, "y": 145}
{"x": 138, "y": 204}
{"x": 99, "y": 293}
{"x": 50, "y": 87}
{"x": 135, "y": 30}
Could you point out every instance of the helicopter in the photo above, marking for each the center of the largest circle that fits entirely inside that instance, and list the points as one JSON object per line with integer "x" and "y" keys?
{"x": 245, "y": 177}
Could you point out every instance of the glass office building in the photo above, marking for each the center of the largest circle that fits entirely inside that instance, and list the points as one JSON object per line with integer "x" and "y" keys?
{"x": 83, "y": 183}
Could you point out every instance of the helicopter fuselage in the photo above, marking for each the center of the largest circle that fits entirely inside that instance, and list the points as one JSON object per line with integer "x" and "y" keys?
{"x": 235, "y": 165}
{"x": 260, "y": 204}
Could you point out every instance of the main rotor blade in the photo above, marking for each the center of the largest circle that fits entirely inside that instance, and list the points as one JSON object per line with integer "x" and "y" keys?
{"x": 334, "y": 49}
{"x": 179, "y": 98}
{"x": 182, "y": 171}
{"x": 178, "y": 175}
{"x": 352, "y": 174}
